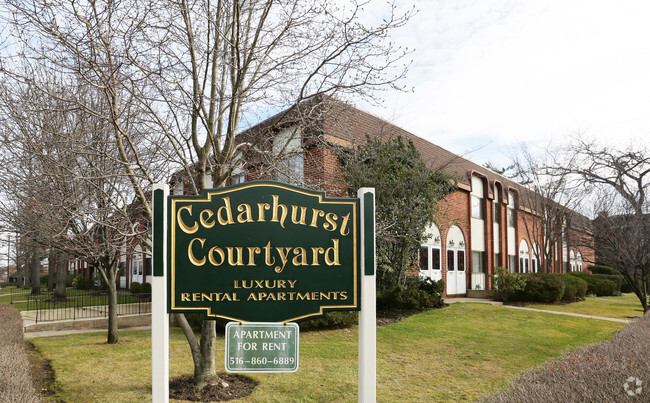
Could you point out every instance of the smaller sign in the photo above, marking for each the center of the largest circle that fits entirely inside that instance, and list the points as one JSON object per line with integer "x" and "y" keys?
{"x": 262, "y": 347}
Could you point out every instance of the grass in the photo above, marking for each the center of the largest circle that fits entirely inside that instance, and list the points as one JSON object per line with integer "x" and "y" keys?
{"x": 454, "y": 354}
{"x": 623, "y": 307}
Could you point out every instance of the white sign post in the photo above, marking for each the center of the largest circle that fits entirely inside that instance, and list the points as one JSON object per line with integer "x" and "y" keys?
{"x": 159, "y": 315}
{"x": 368, "y": 313}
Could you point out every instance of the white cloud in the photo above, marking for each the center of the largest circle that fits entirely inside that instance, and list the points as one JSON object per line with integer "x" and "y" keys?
{"x": 506, "y": 72}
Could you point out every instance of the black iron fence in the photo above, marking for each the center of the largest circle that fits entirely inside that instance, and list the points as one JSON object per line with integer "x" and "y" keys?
{"x": 86, "y": 304}
{"x": 21, "y": 294}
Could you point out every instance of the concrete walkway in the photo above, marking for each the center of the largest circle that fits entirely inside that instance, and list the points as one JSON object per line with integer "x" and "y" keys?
{"x": 498, "y": 303}
{"x": 58, "y": 333}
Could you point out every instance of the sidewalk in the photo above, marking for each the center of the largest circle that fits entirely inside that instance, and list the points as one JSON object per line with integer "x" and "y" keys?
{"x": 498, "y": 303}
{"x": 57, "y": 333}
{"x": 73, "y": 322}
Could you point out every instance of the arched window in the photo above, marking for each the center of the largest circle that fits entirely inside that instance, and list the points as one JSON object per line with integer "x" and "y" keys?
{"x": 579, "y": 262}
{"x": 572, "y": 260}
{"x": 430, "y": 256}
{"x": 534, "y": 258}
{"x": 524, "y": 257}
{"x": 136, "y": 264}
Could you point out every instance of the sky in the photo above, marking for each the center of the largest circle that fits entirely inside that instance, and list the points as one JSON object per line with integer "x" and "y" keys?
{"x": 490, "y": 75}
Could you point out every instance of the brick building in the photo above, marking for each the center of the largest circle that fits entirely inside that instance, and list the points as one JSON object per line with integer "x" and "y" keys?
{"x": 487, "y": 223}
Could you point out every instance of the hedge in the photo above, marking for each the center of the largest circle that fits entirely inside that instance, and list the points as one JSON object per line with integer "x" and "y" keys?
{"x": 614, "y": 278}
{"x": 415, "y": 295}
{"x": 575, "y": 288}
{"x": 600, "y": 269}
{"x": 596, "y": 285}
{"x": 15, "y": 380}
{"x": 541, "y": 287}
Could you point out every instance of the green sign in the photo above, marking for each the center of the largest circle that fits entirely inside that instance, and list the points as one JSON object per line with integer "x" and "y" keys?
{"x": 263, "y": 252}
{"x": 262, "y": 347}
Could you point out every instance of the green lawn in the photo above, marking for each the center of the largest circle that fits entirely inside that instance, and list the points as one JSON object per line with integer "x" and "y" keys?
{"x": 623, "y": 307}
{"x": 454, "y": 354}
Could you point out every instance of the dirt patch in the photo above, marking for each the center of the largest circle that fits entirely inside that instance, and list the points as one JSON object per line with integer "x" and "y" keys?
{"x": 40, "y": 370}
{"x": 385, "y": 318}
{"x": 182, "y": 388}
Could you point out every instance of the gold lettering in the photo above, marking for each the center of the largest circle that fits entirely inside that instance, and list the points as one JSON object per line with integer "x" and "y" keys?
{"x": 245, "y": 214}
{"x": 344, "y": 295}
{"x": 346, "y": 218}
{"x": 252, "y": 251}
{"x": 331, "y": 218}
{"x": 332, "y": 254}
{"x": 218, "y": 251}
{"x": 226, "y": 208}
{"x": 292, "y": 283}
{"x": 314, "y": 219}
{"x": 184, "y": 227}
{"x": 315, "y": 251}
{"x": 279, "y": 206}
{"x": 185, "y": 297}
{"x": 267, "y": 255}
{"x": 190, "y": 254}
{"x": 207, "y": 297}
{"x": 240, "y": 255}
{"x": 260, "y": 211}
{"x": 300, "y": 258}
{"x": 294, "y": 214}
{"x": 205, "y": 221}
{"x": 283, "y": 252}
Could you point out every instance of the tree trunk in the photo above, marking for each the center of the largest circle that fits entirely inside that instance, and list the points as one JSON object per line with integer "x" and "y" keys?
{"x": 35, "y": 266}
{"x": 51, "y": 263}
{"x": 61, "y": 276}
{"x": 206, "y": 372}
{"x": 109, "y": 275}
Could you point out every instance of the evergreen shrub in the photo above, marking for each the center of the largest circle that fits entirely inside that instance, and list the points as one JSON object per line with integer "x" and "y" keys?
{"x": 79, "y": 282}
{"x": 415, "y": 294}
{"x": 333, "y": 320}
{"x": 596, "y": 285}
{"x": 145, "y": 288}
{"x": 541, "y": 287}
{"x": 614, "y": 278}
{"x": 506, "y": 285}
{"x": 601, "y": 269}
{"x": 136, "y": 287}
{"x": 575, "y": 289}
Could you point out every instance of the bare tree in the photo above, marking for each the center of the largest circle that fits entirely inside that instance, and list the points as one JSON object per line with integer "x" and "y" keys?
{"x": 619, "y": 179}
{"x": 551, "y": 198}
{"x": 201, "y": 70}
{"x": 70, "y": 198}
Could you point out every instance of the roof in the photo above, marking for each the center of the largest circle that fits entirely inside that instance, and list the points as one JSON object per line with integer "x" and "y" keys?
{"x": 340, "y": 123}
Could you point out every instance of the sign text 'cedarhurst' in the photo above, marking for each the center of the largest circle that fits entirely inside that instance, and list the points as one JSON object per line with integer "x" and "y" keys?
{"x": 263, "y": 251}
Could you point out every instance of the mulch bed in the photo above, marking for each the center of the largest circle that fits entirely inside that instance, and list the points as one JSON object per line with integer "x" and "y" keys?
{"x": 182, "y": 388}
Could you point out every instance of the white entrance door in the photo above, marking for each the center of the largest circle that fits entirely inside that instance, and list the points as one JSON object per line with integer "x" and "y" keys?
{"x": 456, "y": 277}
{"x": 430, "y": 262}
